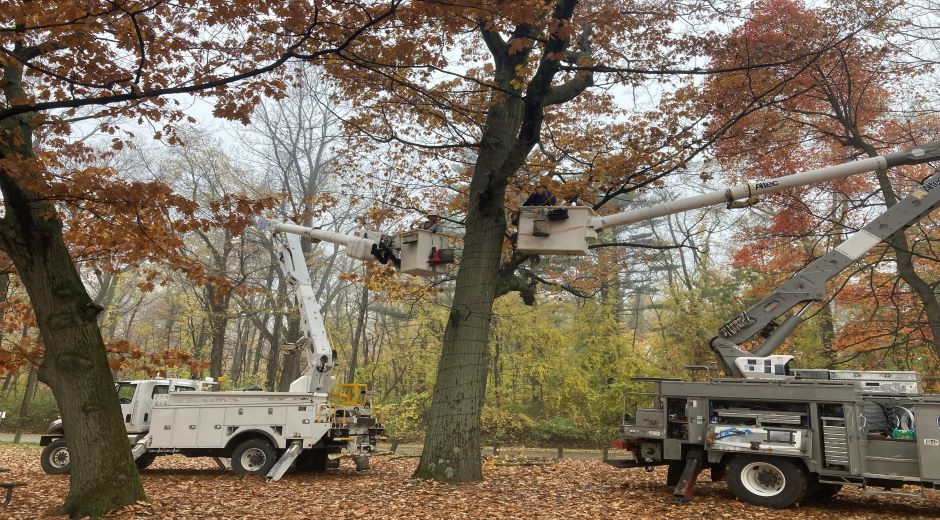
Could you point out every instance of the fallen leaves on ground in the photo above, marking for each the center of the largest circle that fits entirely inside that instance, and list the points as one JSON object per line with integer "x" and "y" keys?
{"x": 180, "y": 487}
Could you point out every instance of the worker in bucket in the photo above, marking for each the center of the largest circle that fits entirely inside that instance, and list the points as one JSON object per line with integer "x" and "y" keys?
{"x": 433, "y": 223}
{"x": 541, "y": 196}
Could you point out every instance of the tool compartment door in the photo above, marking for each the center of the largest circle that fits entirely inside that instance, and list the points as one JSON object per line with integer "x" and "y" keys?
{"x": 161, "y": 428}
{"x": 927, "y": 419}
{"x": 210, "y": 428}
{"x": 256, "y": 415}
{"x": 185, "y": 427}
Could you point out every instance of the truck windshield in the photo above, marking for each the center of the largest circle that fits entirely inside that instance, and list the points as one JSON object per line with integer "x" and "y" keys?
{"x": 125, "y": 392}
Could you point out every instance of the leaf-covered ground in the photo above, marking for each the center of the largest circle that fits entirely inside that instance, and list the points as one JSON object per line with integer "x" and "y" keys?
{"x": 196, "y": 488}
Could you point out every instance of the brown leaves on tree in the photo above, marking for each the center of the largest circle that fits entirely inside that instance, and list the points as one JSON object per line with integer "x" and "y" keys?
{"x": 124, "y": 355}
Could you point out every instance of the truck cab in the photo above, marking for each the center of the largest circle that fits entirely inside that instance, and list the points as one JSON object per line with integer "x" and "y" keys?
{"x": 136, "y": 399}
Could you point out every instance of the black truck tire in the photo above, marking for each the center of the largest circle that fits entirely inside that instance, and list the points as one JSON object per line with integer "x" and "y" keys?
{"x": 253, "y": 457}
{"x": 775, "y": 482}
{"x": 55, "y": 458}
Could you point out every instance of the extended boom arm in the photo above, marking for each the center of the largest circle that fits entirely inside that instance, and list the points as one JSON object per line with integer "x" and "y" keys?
{"x": 809, "y": 284}
{"x": 316, "y": 344}
{"x": 917, "y": 155}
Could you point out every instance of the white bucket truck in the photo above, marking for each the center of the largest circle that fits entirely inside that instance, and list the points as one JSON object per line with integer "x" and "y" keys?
{"x": 264, "y": 433}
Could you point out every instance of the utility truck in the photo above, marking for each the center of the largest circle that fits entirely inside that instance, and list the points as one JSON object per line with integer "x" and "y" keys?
{"x": 266, "y": 433}
{"x": 136, "y": 400}
{"x": 777, "y": 435}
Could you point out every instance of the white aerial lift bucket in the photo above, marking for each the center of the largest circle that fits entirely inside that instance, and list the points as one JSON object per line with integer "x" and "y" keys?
{"x": 555, "y": 230}
{"x": 424, "y": 253}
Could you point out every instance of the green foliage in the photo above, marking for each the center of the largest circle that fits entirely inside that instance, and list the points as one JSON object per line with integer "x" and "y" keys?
{"x": 689, "y": 318}
{"x": 504, "y": 428}
{"x": 558, "y": 431}
{"x": 42, "y": 409}
{"x": 405, "y": 420}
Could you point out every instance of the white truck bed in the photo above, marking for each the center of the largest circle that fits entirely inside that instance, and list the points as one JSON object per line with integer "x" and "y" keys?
{"x": 210, "y": 420}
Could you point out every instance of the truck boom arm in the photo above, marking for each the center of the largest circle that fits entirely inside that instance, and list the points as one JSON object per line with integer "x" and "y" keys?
{"x": 809, "y": 284}
{"x": 315, "y": 342}
{"x": 917, "y": 155}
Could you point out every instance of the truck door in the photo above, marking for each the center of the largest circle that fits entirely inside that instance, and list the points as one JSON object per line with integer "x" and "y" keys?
{"x": 146, "y": 407}
{"x": 695, "y": 412}
{"x": 125, "y": 396}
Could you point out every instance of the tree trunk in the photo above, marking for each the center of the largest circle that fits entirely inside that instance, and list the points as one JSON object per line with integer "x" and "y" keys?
{"x": 6, "y": 384}
{"x": 452, "y": 442}
{"x": 199, "y": 342}
{"x": 291, "y": 358}
{"x": 256, "y": 356}
{"x": 24, "y": 405}
{"x": 218, "y": 322}
{"x": 358, "y": 336}
{"x": 241, "y": 347}
{"x": 512, "y": 129}
{"x": 75, "y": 365}
{"x": 270, "y": 381}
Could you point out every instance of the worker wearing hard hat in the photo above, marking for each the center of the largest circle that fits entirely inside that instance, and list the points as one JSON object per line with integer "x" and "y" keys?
{"x": 433, "y": 223}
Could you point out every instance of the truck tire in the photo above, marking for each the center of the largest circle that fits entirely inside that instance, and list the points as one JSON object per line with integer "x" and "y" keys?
{"x": 145, "y": 460}
{"x": 775, "y": 482}
{"x": 55, "y": 458}
{"x": 253, "y": 457}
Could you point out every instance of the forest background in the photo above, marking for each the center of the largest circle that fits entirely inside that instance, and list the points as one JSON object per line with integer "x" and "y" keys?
{"x": 644, "y": 303}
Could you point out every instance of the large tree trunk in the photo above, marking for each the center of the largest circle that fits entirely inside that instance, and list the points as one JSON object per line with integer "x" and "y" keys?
{"x": 452, "y": 442}
{"x": 75, "y": 364}
{"x": 512, "y": 128}
{"x": 76, "y": 368}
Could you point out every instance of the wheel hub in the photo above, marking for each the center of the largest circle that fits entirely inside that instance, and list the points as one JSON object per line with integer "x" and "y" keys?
{"x": 60, "y": 458}
{"x": 253, "y": 459}
{"x": 763, "y": 479}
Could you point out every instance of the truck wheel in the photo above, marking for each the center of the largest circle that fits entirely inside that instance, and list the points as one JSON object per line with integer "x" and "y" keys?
{"x": 253, "y": 457}
{"x": 775, "y": 482}
{"x": 145, "y": 460}
{"x": 55, "y": 458}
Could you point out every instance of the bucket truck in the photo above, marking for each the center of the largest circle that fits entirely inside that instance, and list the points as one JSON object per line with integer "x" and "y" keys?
{"x": 265, "y": 433}
{"x": 777, "y": 435}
